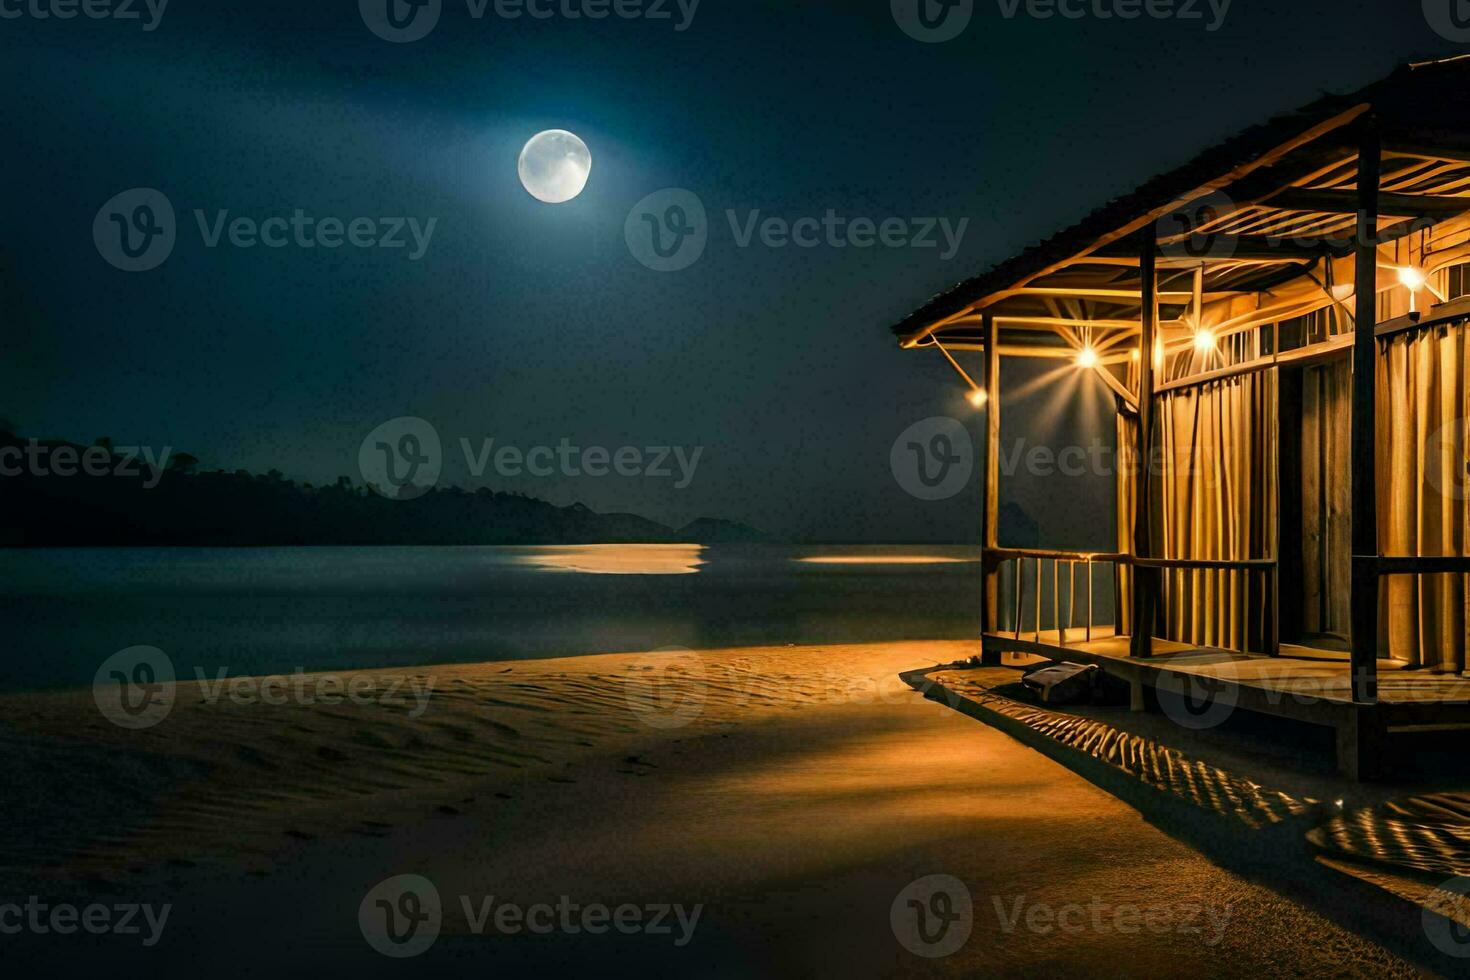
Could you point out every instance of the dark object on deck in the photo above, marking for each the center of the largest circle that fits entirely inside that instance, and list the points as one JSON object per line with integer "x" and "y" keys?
{"x": 1063, "y": 683}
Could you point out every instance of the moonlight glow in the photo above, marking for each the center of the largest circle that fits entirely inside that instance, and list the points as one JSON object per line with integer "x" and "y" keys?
{"x": 554, "y": 166}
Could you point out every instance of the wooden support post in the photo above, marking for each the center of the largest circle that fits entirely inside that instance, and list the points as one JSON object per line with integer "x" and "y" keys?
{"x": 1360, "y": 737}
{"x": 1145, "y": 580}
{"x": 991, "y": 539}
{"x": 1364, "y": 597}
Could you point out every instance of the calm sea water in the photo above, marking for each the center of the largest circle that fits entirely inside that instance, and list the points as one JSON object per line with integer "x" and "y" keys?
{"x": 269, "y": 610}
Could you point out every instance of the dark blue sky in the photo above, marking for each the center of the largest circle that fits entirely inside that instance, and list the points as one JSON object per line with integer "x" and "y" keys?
{"x": 530, "y": 323}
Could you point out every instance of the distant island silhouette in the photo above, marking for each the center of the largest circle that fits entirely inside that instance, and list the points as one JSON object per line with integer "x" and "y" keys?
{"x": 62, "y": 494}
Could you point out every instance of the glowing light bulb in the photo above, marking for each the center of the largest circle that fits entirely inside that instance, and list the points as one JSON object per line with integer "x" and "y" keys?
{"x": 1087, "y": 357}
{"x": 1159, "y": 354}
{"x": 1411, "y": 277}
{"x": 1204, "y": 340}
{"x": 978, "y": 397}
{"x": 1133, "y": 353}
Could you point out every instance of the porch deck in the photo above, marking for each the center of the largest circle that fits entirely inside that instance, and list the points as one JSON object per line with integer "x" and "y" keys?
{"x": 1304, "y": 684}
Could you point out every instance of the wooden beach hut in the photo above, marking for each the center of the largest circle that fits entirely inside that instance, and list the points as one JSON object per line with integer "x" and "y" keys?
{"x": 1282, "y": 323}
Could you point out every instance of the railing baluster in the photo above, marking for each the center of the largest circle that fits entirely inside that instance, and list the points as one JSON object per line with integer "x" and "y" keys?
{"x": 1056, "y": 600}
{"x": 1089, "y": 599}
{"x": 1020, "y": 592}
{"x": 1038, "y": 600}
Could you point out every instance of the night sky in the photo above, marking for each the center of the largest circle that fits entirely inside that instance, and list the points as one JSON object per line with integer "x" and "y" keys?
{"x": 532, "y": 323}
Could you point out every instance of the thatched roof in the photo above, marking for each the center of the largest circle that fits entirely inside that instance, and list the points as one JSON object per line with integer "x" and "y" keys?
{"x": 1267, "y": 188}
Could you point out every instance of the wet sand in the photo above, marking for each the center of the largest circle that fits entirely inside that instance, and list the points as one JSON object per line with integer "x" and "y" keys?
{"x": 791, "y": 794}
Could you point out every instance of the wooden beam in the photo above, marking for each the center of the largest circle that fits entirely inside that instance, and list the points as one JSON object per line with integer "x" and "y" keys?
{"x": 1130, "y": 402}
{"x": 1241, "y": 248}
{"x": 1424, "y": 565}
{"x": 1104, "y": 292}
{"x": 1425, "y": 151}
{"x": 991, "y": 526}
{"x": 1346, "y": 202}
{"x": 1364, "y": 600}
{"x": 1302, "y": 355}
{"x": 1145, "y": 580}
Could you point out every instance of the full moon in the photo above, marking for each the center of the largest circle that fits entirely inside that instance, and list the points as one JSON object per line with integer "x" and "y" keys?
{"x": 554, "y": 166}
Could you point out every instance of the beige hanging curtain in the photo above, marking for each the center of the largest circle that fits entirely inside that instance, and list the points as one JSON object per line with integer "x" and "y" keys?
{"x": 1422, "y": 492}
{"x": 1214, "y": 491}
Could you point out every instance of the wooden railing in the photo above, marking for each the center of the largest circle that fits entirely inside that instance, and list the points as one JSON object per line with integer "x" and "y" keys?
{"x": 1266, "y": 568}
{"x": 998, "y": 558}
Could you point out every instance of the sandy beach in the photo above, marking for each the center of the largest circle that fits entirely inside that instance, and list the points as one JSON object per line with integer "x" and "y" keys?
{"x": 790, "y": 795}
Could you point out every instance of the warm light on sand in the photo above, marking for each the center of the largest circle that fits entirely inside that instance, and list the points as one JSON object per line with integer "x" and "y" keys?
{"x": 618, "y": 559}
